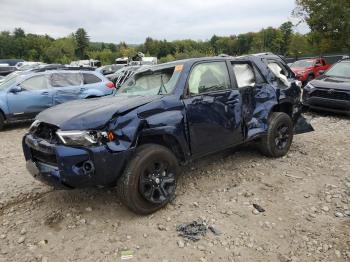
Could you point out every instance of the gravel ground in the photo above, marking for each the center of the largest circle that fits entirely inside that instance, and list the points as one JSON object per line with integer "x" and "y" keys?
{"x": 305, "y": 195}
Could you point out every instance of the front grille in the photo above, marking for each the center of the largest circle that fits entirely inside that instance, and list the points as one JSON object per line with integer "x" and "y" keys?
{"x": 47, "y": 132}
{"x": 338, "y": 95}
{"x": 44, "y": 157}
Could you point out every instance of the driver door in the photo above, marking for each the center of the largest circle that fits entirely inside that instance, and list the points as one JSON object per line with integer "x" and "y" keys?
{"x": 32, "y": 98}
{"x": 213, "y": 109}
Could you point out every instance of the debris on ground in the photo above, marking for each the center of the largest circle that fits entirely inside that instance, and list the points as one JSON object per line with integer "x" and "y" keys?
{"x": 126, "y": 254}
{"x": 192, "y": 231}
{"x": 259, "y": 208}
{"x": 215, "y": 231}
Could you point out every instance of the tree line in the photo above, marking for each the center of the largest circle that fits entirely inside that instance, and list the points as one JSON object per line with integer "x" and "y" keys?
{"x": 329, "y": 23}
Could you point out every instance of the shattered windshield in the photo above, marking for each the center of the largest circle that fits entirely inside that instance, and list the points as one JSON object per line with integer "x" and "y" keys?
{"x": 151, "y": 82}
{"x": 339, "y": 70}
{"x": 303, "y": 63}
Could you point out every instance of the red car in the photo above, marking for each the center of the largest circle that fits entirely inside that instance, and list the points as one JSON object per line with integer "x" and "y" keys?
{"x": 308, "y": 69}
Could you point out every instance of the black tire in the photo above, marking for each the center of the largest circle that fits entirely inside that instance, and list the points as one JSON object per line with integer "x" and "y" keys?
{"x": 279, "y": 136}
{"x": 2, "y": 121}
{"x": 149, "y": 180}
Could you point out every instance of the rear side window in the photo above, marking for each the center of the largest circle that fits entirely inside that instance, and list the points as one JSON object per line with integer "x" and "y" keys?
{"x": 35, "y": 83}
{"x": 244, "y": 75}
{"x": 209, "y": 77}
{"x": 90, "y": 79}
{"x": 65, "y": 79}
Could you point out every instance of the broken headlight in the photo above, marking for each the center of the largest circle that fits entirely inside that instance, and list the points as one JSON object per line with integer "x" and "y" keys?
{"x": 83, "y": 138}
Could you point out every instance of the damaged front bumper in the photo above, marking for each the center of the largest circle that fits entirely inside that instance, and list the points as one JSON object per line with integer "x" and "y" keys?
{"x": 73, "y": 167}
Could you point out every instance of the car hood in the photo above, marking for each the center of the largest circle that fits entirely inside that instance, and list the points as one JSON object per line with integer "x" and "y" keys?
{"x": 91, "y": 113}
{"x": 332, "y": 82}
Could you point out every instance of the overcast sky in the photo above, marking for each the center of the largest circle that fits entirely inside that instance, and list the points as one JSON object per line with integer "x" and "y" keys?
{"x": 133, "y": 20}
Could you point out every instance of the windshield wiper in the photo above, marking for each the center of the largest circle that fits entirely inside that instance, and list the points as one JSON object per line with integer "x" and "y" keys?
{"x": 162, "y": 86}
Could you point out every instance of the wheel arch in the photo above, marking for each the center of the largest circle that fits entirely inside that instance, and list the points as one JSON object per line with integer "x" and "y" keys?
{"x": 285, "y": 107}
{"x": 168, "y": 140}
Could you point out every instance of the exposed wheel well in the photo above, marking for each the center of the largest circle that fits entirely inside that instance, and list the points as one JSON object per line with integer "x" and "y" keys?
{"x": 164, "y": 140}
{"x": 284, "y": 107}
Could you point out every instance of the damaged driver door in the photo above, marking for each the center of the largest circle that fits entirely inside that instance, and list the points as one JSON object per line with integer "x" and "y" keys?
{"x": 213, "y": 109}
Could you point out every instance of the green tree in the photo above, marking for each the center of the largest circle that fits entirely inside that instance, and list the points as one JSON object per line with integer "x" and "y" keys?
{"x": 287, "y": 33}
{"x": 329, "y": 19}
{"x": 82, "y": 43}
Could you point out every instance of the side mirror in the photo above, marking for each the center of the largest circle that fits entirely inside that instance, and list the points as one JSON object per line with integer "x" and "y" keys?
{"x": 321, "y": 72}
{"x": 16, "y": 89}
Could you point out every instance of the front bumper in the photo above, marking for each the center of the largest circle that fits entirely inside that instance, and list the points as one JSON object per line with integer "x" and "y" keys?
{"x": 65, "y": 166}
{"x": 326, "y": 104}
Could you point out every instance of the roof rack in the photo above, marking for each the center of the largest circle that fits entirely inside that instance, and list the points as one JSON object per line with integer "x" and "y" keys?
{"x": 62, "y": 67}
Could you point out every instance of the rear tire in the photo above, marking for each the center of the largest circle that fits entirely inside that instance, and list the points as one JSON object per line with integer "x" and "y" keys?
{"x": 279, "y": 136}
{"x": 149, "y": 180}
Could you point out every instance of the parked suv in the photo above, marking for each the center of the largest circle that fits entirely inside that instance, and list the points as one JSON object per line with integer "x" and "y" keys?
{"x": 308, "y": 69}
{"x": 331, "y": 91}
{"x": 23, "y": 96}
{"x": 163, "y": 117}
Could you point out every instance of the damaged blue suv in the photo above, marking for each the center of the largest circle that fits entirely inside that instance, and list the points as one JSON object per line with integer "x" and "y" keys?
{"x": 164, "y": 117}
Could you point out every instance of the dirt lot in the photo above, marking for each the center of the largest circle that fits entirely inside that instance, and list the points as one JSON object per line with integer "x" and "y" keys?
{"x": 306, "y": 197}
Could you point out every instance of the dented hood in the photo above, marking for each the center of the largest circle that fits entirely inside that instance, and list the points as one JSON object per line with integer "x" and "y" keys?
{"x": 91, "y": 113}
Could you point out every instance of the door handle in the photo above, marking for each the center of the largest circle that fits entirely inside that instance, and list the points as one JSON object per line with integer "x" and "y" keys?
{"x": 45, "y": 93}
{"x": 82, "y": 89}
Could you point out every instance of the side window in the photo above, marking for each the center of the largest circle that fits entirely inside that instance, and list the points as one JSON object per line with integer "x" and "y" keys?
{"x": 280, "y": 72}
{"x": 90, "y": 79}
{"x": 65, "y": 79}
{"x": 209, "y": 77}
{"x": 244, "y": 73}
{"x": 35, "y": 83}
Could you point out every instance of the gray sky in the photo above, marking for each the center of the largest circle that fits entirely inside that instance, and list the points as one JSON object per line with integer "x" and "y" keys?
{"x": 133, "y": 20}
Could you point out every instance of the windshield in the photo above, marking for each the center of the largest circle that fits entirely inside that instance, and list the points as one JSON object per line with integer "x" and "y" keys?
{"x": 339, "y": 70}
{"x": 8, "y": 83}
{"x": 149, "y": 83}
{"x": 303, "y": 63}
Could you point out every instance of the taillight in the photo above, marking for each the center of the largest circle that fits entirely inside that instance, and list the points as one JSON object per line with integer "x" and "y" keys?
{"x": 110, "y": 85}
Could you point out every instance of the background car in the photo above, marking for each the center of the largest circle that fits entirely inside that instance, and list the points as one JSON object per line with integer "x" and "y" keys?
{"x": 109, "y": 69}
{"x": 331, "y": 91}
{"x": 308, "y": 69}
{"x": 23, "y": 96}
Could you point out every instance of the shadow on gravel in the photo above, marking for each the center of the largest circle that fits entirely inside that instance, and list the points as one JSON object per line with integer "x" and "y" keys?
{"x": 17, "y": 125}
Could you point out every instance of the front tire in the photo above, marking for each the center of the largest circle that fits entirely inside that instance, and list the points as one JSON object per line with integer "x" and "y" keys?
{"x": 149, "y": 181}
{"x": 279, "y": 136}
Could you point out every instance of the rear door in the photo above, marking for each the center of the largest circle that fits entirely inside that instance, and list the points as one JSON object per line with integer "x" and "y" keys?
{"x": 252, "y": 87}
{"x": 34, "y": 97}
{"x": 213, "y": 108}
{"x": 67, "y": 86}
